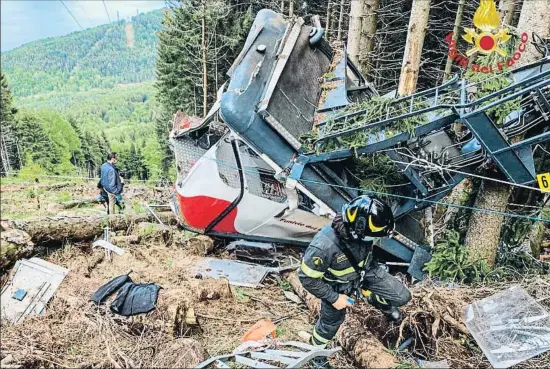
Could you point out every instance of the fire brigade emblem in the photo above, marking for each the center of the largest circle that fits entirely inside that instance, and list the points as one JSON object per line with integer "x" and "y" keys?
{"x": 491, "y": 35}
{"x": 317, "y": 260}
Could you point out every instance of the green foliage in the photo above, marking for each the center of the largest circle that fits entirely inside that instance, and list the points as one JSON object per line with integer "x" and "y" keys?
{"x": 48, "y": 140}
{"x": 7, "y": 112}
{"x": 64, "y": 196}
{"x": 97, "y": 57}
{"x": 494, "y": 82}
{"x": 83, "y": 95}
{"x": 30, "y": 171}
{"x": 285, "y": 285}
{"x": 241, "y": 295}
{"x": 6, "y": 105}
{"x": 450, "y": 261}
{"x": 30, "y": 193}
{"x": 377, "y": 172}
{"x": 512, "y": 256}
{"x": 376, "y": 109}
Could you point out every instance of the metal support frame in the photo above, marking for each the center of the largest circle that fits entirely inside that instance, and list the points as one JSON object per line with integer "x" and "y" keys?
{"x": 233, "y": 205}
{"x": 289, "y": 359}
{"x": 497, "y": 148}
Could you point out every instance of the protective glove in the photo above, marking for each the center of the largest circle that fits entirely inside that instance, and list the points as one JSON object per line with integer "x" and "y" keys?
{"x": 118, "y": 197}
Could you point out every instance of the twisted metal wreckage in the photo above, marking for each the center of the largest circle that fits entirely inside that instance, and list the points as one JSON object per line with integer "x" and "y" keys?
{"x": 244, "y": 174}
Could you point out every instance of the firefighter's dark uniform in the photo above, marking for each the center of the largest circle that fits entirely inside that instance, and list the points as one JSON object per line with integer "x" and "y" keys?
{"x": 326, "y": 272}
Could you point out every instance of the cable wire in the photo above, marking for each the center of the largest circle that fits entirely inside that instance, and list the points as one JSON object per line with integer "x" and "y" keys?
{"x": 106, "y": 11}
{"x": 71, "y": 15}
{"x": 380, "y": 193}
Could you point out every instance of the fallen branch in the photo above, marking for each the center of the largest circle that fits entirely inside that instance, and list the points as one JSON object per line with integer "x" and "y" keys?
{"x": 76, "y": 203}
{"x": 14, "y": 245}
{"x": 227, "y": 319}
{"x": 457, "y": 325}
{"x": 364, "y": 348}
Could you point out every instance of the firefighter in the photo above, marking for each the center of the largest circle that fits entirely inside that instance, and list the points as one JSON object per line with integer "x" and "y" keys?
{"x": 338, "y": 265}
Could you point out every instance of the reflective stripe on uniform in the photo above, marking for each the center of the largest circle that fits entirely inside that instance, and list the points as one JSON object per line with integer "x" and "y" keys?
{"x": 343, "y": 272}
{"x": 340, "y": 273}
{"x": 381, "y": 300}
{"x": 311, "y": 272}
{"x": 318, "y": 337}
{"x": 335, "y": 280}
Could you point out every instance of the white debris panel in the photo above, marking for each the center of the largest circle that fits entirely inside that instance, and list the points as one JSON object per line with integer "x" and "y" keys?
{"x": 510, "y": 327}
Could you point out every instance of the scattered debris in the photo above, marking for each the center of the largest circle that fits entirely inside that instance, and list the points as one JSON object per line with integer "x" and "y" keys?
{"x": 30, "y": 286}
{"x": 262, "y": 253}
{"x": 108, "y": 246}
{"x": 132, "y": 298}
{"x": 109, "y": 288}
{"x": 260, "y": 330}
{"x": 293, "y": 297}
{"x": 298, "y": 355}
{"x": 236, "y": 272}
{"x": 154, "y": 214}
{"x": 510, "y": 327}
{"x": 443, "y": 364}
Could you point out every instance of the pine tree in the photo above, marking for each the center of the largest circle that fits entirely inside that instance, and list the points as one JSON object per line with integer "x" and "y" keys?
{"x": 191, "y": 64}
{"x": 8, "y": 139}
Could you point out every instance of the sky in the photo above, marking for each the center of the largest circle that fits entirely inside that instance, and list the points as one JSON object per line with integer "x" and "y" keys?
{"x": 23, "y": 21}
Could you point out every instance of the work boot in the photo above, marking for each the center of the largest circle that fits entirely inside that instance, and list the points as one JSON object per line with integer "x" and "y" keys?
{"x": 392, "y": 313}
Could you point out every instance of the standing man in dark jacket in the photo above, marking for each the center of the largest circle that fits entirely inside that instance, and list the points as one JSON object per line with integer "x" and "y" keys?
{"x": 111, "y": 182}
{"x": 338, "y": 264}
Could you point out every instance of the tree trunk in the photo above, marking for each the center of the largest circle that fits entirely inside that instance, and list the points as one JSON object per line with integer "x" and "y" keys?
{"x": 368, "y": 31}
{"x": 455, "y": 197}
{"x": 204, "y": 68}
{"x": 340, "y": 21}
{"x": 484, "y": 228}
{"x": 291, "y": 8}
{"x": 14, "y": 245}
{"x": 456, "y": 30}
{"x": 413, "y": 49}
{"x": 534, "y": 17}
{"x": 75, "y": 203}
{"x": 354, "y": 30}
{"x": 506, "y": 11}
{"x": 58, "y": 229}
{"x": 327, "y": 26}
{"x": 365, "y": 349}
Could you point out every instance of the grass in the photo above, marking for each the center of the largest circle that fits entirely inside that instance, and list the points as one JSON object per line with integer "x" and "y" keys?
{"x": 284, "y": 285}
{"x": 137, "y": 207}
{"x": 280, "y": 332}
{"x": 64, "y": 196}
{"x": 241, "y": 295}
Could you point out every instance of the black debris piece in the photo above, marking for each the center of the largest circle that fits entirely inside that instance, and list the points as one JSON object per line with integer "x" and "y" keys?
{"x": 135, "y": 299}
{"x": 109, "y": 288}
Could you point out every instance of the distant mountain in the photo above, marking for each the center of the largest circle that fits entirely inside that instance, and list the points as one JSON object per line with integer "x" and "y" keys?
{"x": 100, "y": 57}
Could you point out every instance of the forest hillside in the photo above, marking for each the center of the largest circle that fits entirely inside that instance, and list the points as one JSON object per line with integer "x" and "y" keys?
{"x": 78, "y": 96}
